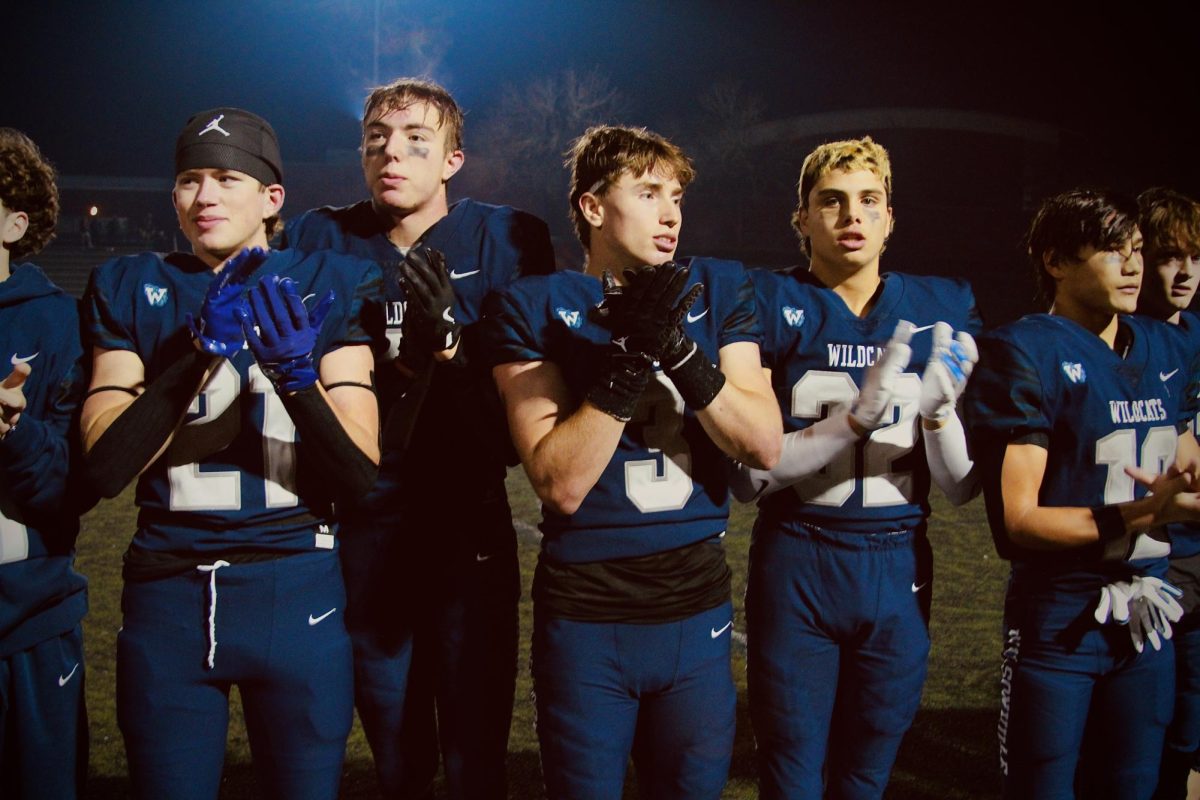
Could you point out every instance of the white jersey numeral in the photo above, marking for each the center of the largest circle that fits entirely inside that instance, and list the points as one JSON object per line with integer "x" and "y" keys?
{"x": 215, "y": 427}
{"x": 821, "y": 391}
{"x": 650, "y": 484}
{"x": 1119, "y": 450}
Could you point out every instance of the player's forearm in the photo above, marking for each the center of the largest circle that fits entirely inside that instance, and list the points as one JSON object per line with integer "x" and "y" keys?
{"x": 123, "y": 438}
{"x": 745, "y": 425}
{"x": 802, "y": 453}
{"x": 348, "y": 453}
{"x": 950, "y": 466}
{"x": 363, "y": 433}
{"x": 1059, "y": 528}
{"x": 569, "y": 460}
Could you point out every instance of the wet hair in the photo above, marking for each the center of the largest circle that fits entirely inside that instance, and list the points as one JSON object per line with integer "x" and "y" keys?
{"x": 404, "y": 92}
{"x": 604, "y": 153}
{"x": 1068, "y": 222}
{"x": 27, "y": 184}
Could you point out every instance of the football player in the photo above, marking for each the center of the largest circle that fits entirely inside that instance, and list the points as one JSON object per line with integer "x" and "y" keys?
{"x": 43, "y": 723}
{"x": 1170, "y": 225}
{"x": 1079, "y": 424}
{"x": 867, "y": 368}
{"x": 626, "y": 386}
{"x": 430, "y": 555}
{"x": 237, "y": 383}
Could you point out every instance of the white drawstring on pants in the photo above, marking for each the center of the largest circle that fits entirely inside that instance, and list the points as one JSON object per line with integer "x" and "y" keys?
{"x": 211, "y": 569}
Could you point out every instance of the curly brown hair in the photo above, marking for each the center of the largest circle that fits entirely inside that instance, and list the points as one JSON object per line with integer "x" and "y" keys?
{"x": 27, "y": 184}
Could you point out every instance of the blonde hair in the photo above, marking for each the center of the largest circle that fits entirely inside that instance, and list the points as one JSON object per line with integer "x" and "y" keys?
{"x": 848, "y": 155}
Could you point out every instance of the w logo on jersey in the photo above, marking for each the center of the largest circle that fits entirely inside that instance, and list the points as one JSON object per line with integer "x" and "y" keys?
{"x": 793, "y": 316}
{"x": 572, "y": 319}
{"x": 1074, "y": 372}
{"x": 156, "y": 295}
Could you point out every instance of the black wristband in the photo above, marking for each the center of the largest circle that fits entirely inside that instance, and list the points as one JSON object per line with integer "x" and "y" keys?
{"x": 618, "y": 391}
{"x": 1115, "y": 542}
{"x": 323, "y": 440}
{"x": 137, "y": 434}
{"x": 697, "y": 379}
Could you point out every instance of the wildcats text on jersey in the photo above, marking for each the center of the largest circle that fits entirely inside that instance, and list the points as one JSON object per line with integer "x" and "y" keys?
{"x": 854, "y": 355}
{"x": 1148, "y": 410}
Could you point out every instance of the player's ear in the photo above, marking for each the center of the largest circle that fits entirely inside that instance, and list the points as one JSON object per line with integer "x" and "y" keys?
{"x": 273, "y": 200}
{"x": 592, "y": 209}
{"x": 1052, "y": 263}
{"x": 454, "y": 162}
{"x": 15, "y": 225}
{"x": 800, "y": 220}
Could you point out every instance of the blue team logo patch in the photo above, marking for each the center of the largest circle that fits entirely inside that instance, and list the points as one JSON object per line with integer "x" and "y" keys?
{"x": 572, "y": 319}
{"x": 1074, "y": 372}
{"x": 793, "y": 316}
{"x": 156, "y": 295}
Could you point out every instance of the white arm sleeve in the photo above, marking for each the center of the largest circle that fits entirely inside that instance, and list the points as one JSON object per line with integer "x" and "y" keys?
{"x": 949, "y": 465}
{"x": 804, "y": 452}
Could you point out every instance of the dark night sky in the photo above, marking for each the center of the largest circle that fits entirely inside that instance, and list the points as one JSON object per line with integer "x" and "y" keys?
{"x": 103, "y": 87}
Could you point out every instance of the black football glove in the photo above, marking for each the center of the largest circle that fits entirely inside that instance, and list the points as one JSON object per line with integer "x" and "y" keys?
{"x": 429, "y": 321}
{"x": 646, "y": 315}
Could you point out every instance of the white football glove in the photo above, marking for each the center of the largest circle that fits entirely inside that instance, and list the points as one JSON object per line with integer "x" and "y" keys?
{"x": 1114, "y": 603}
{"x": 875, "y": 398}
{"x": 946, "y": 372}
{"x": 1147, "y": 605}
{"x": 1146, "y": 546}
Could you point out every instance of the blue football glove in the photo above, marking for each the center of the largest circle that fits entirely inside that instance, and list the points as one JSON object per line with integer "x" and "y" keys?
{"x": 951, "y": 361}
{"x": 286, "y": 332}
{"x": 220, "y": 330}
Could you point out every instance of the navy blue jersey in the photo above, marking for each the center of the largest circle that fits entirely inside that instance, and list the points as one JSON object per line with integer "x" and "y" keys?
{"x": 41, "y": 595}
{"x": 818, "y": 351}
{"x": 234, "y": 476}
{"x": 1048, "y": 381}
{"x": 461, "y": 430}
{"x": 666, "y": 485}
{"x": 1185, "y": 537}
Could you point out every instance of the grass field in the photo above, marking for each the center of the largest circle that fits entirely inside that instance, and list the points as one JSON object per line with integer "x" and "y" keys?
{"x": 949, "y": 753}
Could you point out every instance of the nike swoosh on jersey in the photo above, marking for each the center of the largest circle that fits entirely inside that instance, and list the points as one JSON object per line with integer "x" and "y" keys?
{"x": 63, "y": 681}
{"x": 917, "y": 588}
{"x": 693, "y": 317}
{"x": 1162, "y": 376}
{"x": 480, "y": 557}
{"x": 16, "y": 359}
{"x": 715, "y": 632}
{"x": 922, "y": 328}
{"x": 315, "y": 620}
{"x": 458, "y": 276}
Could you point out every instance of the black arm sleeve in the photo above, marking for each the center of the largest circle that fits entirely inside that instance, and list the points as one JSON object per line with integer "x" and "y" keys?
{"x": 134, "y": 437}
{"x": 322, "y": 437}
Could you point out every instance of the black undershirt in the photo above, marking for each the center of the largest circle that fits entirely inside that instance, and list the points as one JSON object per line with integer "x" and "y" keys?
{"x": 661, "y": 587}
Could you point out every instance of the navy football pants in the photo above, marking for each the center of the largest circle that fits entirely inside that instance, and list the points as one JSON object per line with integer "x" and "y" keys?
{"x": 838, "y": 635}
{"x": 663, "y": 692}
{"x": 1183, "y": 736}
{"x": 435, "y": 633}
{"x": 43, "y": 721}
{"x": 1081, "y": 712}
{"x": 280, "y": 637}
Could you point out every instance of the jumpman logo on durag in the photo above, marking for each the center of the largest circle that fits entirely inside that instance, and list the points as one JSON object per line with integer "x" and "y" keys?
{"x": 214, "y": 125}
